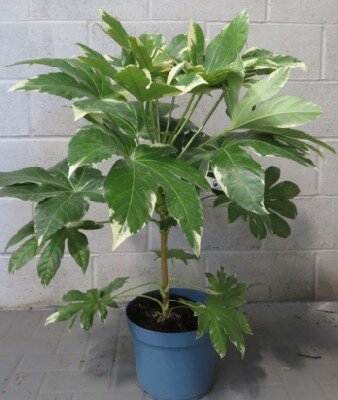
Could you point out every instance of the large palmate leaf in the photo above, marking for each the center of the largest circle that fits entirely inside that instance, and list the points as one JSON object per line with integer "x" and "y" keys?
{"x": 92, "y": 144}
{"x": 219, "y": 316}
{"x": 240, "y": 177}
{"x": 56, "y": 83}
{"x": 31, "y": 191}
{"x": 97, "y": 60}
{"x": 61, "y": 199}
{"x": 296, "y": 138}
{"x": 280, "y": 112}
{"x": 259, "y": 109}
{"x": 125, "y": 115}
{"x": 87, "y": 304}
{"x": 261, "y": 91}
{"x": 33, "y": 175}
{"x": 52, "y": 214}
{"x": 277, "y": 200}
{"x": 269, "y": 145}
{"x": 79, "y": 77}
{"x": 131, "y": 188}
{"x": 225, "y": 47}
{"x": 51, "y": 248}
{"x": 261, "y": 61}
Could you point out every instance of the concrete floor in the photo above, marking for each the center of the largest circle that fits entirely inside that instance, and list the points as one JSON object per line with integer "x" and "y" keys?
{"x": 293, "y": 355}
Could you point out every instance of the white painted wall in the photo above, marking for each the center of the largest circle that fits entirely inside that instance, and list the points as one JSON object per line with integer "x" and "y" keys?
{"x": 35, "y": 129}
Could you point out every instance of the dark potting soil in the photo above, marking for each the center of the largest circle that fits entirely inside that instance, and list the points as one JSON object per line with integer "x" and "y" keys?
{"x": 147, "y": 314}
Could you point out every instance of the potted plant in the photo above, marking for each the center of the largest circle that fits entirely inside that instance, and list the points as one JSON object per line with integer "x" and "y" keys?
{"x": 164, "y": 165}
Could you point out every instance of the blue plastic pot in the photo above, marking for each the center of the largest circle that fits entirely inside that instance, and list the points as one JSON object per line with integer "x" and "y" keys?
{"x": 174, "y": 366}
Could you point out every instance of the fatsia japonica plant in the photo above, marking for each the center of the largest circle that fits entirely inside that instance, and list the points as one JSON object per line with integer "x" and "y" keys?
{"x": 164, "y": 165}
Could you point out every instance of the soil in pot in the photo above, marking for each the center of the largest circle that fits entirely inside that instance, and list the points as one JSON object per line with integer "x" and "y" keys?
{"x": 147, "y": 314}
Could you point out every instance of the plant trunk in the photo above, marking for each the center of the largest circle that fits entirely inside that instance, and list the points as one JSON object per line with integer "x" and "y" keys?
{"x": 165, "y": 274}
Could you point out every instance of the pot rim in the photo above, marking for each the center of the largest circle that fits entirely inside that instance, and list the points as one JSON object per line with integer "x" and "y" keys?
{"x": 162, "y": 333}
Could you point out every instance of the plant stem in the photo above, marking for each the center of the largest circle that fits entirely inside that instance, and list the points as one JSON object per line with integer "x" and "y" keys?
{"x": 214, "y": 138}
{"x": 185, "y": 117}
{"x": 137, "y": 287}
{"x": 158, "y": 116}
{"x": 169, "y": 117}
{"x": 165, "y": 274}
{"x": 151, "y": 113}
{"x": 206, "y": 119}
{"x": 145, "y": 121}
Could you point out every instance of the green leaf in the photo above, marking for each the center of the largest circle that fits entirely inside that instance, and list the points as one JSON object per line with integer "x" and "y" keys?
{"x": 268, "y": 146}
{"x": 284, "y": 190}
{"x": 138, "y": 83}
{"x": 86, "y": 225}
{"x": 26, "y": 230}
{"x": 78, "y": 248}
{"x": 115, "y": 285}
{"x": 114, "y": 29}
{"x": 257, "y": 224}
{"x": 64, "y": 313}
{"x": 31, "y": 191}
{"x": 79, "y": 73}
{"x": 74, "y": 295}
{"x": 87, "y": 304}
{"x": 33, "y": 175}
{"x": 55, "y": 83}
{"x": 23, "y": 254}
{"x": 258, "y": 57}
{"x": 277, "y": 201}
{"x": 222, "y": 75}
{"x": 174, "y": 72}
{"x": 140, "y": 52}
{"x": 130, "y": 197}
{"x": 125, "y": 115}
{"x": 52, "y": 214}
{"x": 97, "y": 60}
{"x": 92, "y": 145}
{"x": 218, "y": 337}
{"x": 219, "y": 316}
{"x": 280, "y": 112}
{"x": 177, "y": 47}
{"x": 196, "y": 43}
{"x": 186, "y": 83}
{"x": 231, "y": 92}
{"x": 259, "y": 92}
{"x": 225, "y": 47}
{"x": 287, "y": 133}
{"x": 240, "y": 177}
{"x": 88, "y": 182}
{"x": 131, "y": 188}
{"x": 279, "y": 226}
{"x": 177, "y": 254}
{"x": 51, "y": 256}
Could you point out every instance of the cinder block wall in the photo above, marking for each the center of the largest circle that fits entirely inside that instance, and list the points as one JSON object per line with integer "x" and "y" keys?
{"x": 35, "y": 130}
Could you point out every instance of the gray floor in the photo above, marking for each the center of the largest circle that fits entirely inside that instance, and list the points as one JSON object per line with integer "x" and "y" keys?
{"x": 293, "y": 355}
